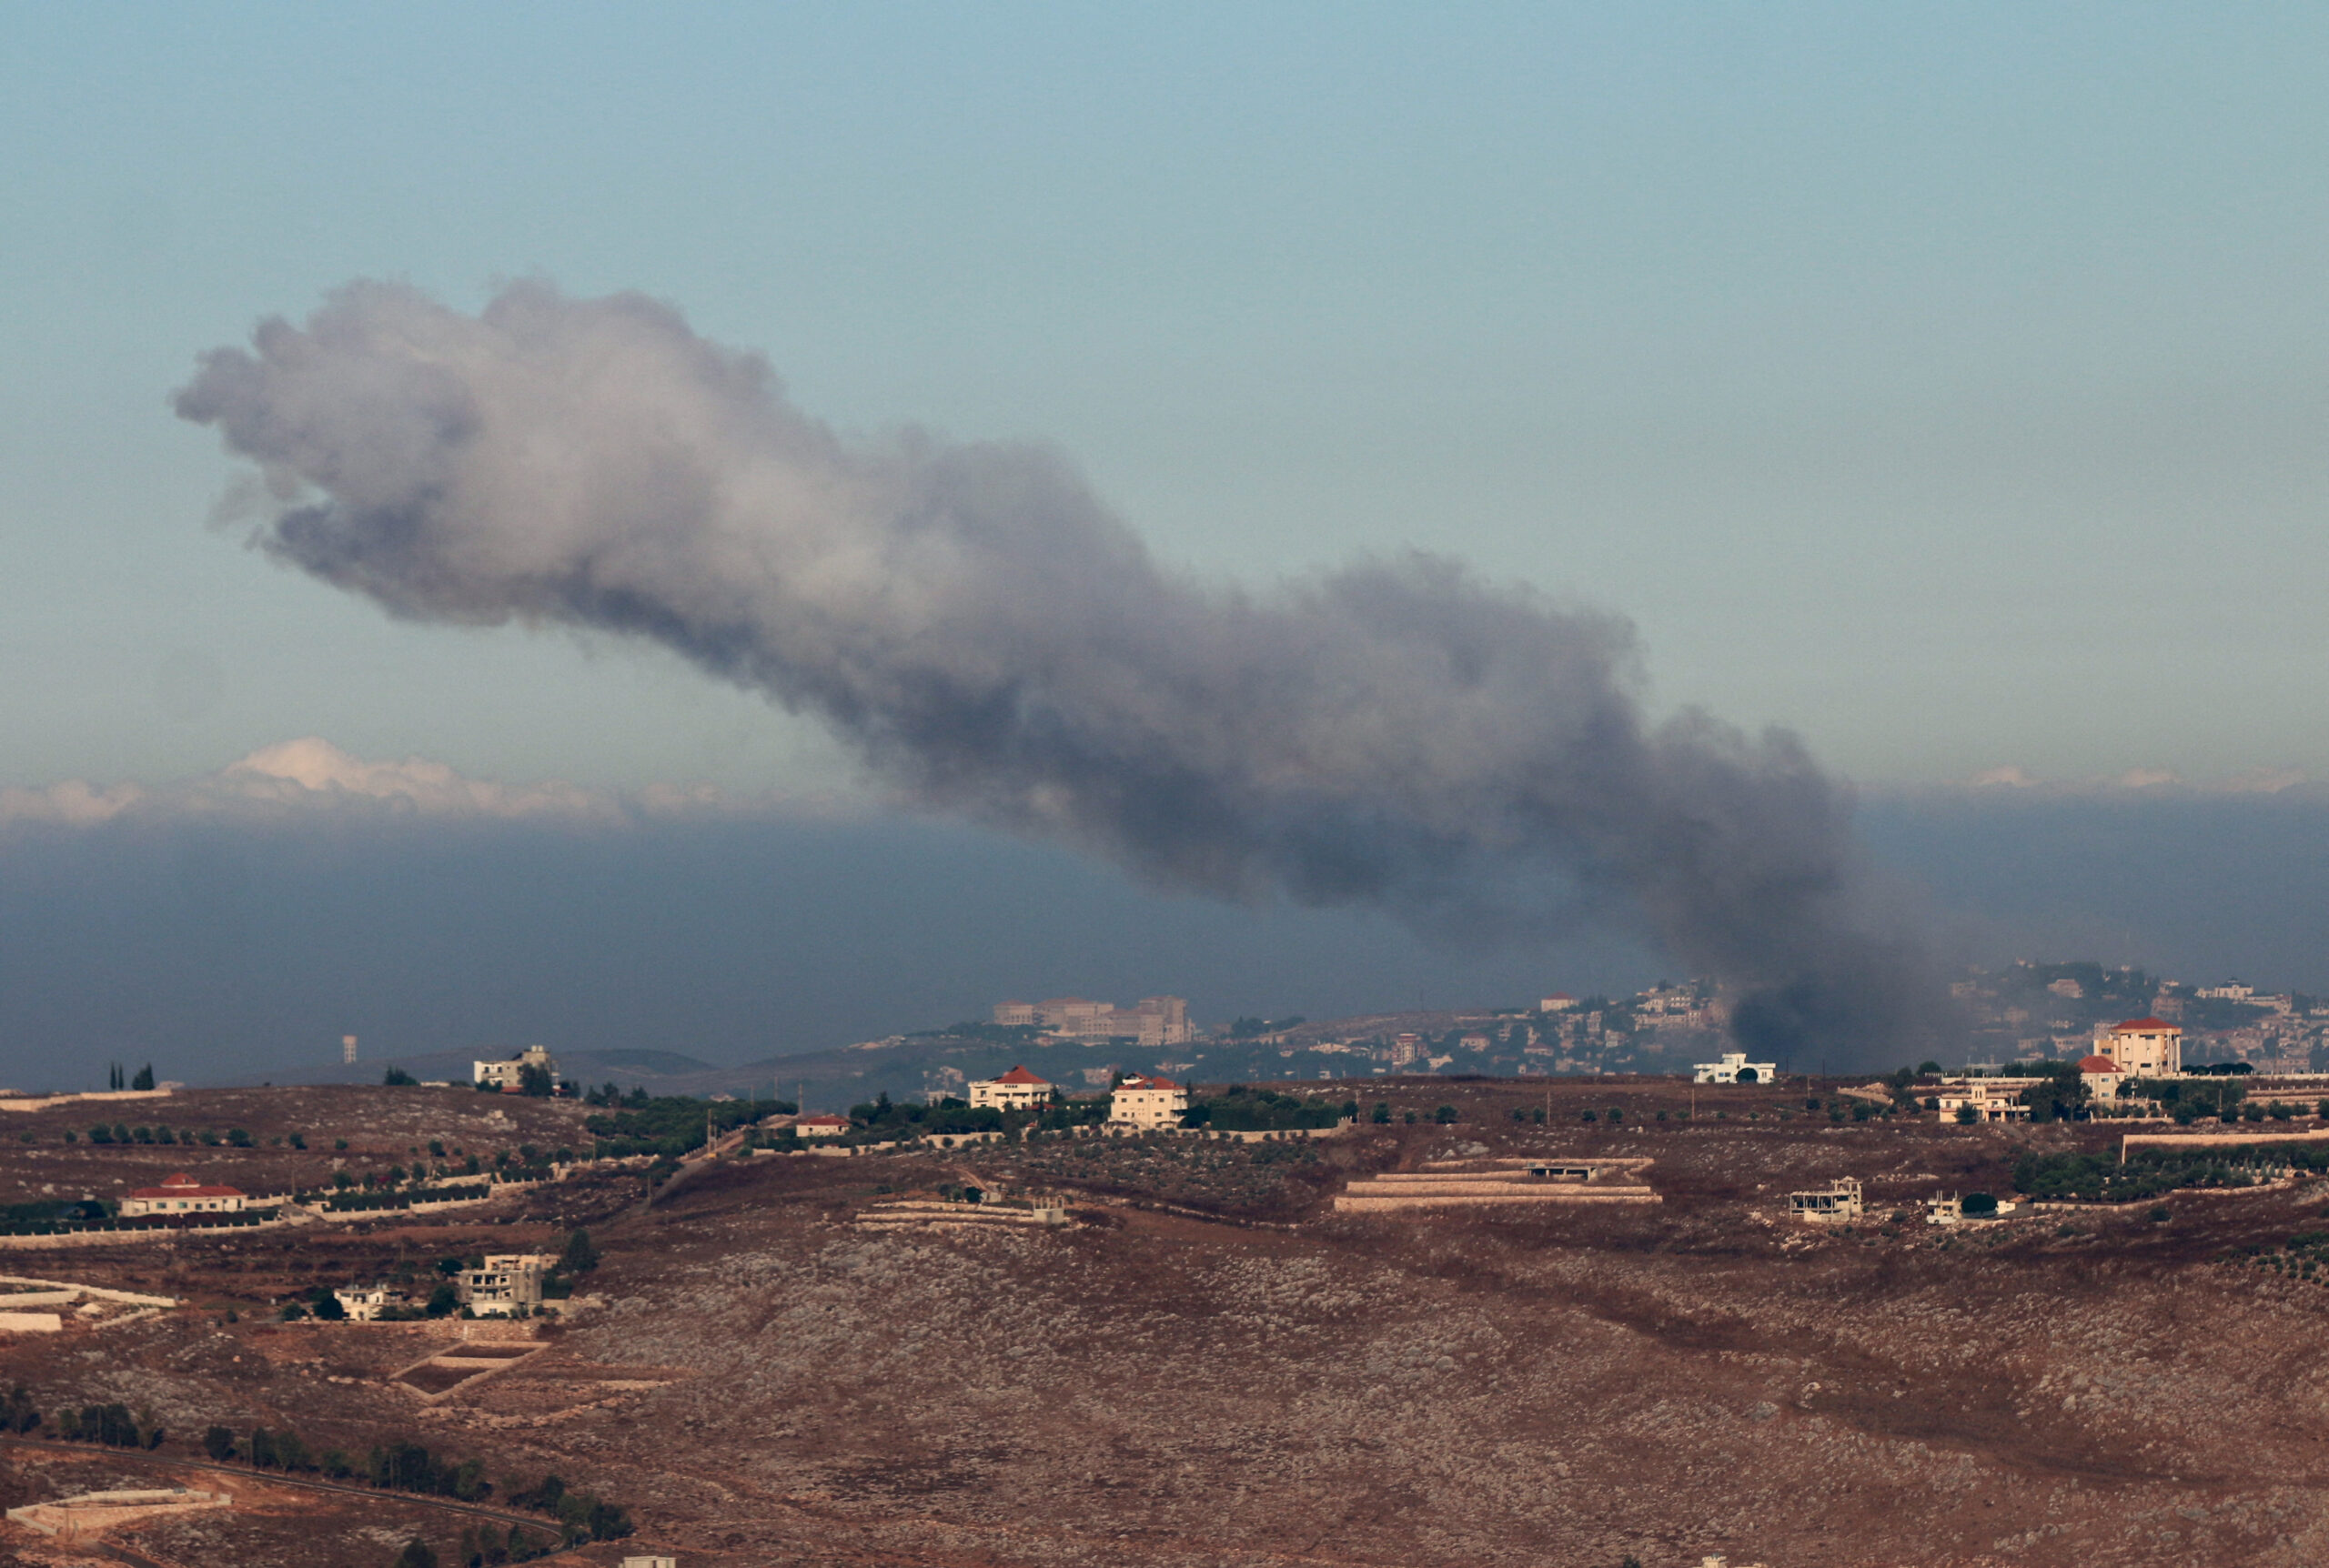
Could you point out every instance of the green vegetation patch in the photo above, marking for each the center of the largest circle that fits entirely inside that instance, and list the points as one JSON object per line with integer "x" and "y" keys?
{"x": 673, "y": 1125}
{"x": 1243, "y": 1109}
{"x": 2099, "y": 1177}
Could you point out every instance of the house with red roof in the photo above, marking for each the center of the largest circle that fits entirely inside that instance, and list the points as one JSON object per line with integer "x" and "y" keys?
{"x": 2101, "y": 1076}
{"x": 1017, "y": 1089}
{"x": 2143, "y": 1048}
{"x": 182, "y": 1194}
{"x": 1147, "y": 1103}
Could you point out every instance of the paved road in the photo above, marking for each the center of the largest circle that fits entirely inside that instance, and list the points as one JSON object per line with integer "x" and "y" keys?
{"x": 274, "y": 1478}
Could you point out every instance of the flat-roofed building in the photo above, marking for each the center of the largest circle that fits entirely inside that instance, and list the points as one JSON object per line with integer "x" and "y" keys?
{"x": 1734, "y": 1068}
{"x": 509, "y": 1076}
{"x": 1988, "y": 1099}
{"x": 365, "y": 1304}
{"x": 508, "y": 1283}
{"x": 1147, "y": 1103}
{"x": 1839, "y": 1201}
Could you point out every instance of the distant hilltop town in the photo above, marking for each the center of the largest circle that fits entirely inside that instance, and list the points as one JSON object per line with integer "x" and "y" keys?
{"x": 2032, "y": 1011}
{"x": 2023, "y": 1012}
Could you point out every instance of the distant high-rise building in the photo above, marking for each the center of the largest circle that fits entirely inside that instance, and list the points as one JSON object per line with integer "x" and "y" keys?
{"x": 1155, "y": 1020}
{"x": 347, "y": 1048}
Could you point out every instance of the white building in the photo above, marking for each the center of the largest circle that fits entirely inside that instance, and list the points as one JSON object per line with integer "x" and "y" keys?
{"x": 1734, "y": 1068}
{"x": 2143, "y": 1048}
{"x": 182, "y": 1194}
{"x": 1146, "y": 1102}
{"x": 1017, "y": 1089}
{"x": 365, "y": 1304}
{"x": 1559, "y": 1002}
{"x": 818, "y": 1126}
{"x": 509, "y": 1076}
{"x": 1988, "y": 1099}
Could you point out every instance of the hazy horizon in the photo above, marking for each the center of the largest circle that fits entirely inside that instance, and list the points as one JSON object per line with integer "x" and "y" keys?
{"x": 240, "y": 926}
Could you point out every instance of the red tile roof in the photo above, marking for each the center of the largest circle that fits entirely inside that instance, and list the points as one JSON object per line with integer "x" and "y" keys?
{"x": 2097, "y": 1064}
{"x": 1021, "y": 1075}
{"x": 820, "y": 1121}
{"x": 181, "y": 1185}
{"x": 2140, "y": 1025}
{"x": 1148, "y": 1083}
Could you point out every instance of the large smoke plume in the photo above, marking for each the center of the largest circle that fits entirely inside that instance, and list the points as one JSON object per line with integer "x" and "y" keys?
{"x": 991, "y": 639}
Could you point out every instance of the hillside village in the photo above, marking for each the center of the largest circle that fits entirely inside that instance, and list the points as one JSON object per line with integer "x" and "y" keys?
{"x": 2017, "y": 1311}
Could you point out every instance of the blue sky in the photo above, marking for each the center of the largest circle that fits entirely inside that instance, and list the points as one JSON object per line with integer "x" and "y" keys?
{"x": 1944, "y": 382}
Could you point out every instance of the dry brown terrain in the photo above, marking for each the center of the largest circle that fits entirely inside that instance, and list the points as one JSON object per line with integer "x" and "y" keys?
{"x": 1207, "y": 1367}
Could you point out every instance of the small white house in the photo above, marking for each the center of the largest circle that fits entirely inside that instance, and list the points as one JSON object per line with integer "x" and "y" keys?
{"x": 365, "y": 1304}
{"x": 820, "y": 1126}
{"x": 1734, "y": 1068}
{"x": 1145, "y": 1102}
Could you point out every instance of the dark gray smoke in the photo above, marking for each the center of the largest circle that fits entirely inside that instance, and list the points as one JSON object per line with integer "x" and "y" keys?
{"x": 995, "y": 643}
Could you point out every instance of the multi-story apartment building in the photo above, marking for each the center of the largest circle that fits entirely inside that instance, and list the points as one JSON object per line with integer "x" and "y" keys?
{"x": 2144, "y": 1047}
{"x": 1149, "y": 1102}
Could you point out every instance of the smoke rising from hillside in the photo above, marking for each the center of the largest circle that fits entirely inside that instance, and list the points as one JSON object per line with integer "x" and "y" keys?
{"x": 996, "y": 644}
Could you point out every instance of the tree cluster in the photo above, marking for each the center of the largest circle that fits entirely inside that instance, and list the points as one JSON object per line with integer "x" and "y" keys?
{"x": 673, "y": 1125}
{"x": 110, "y": 1424}
{"x": 1242, "y": 1109}
{"x": 122, "y": 1132}
{"x": 2152, "y": 1172}
{"x": 884, "y": 1121}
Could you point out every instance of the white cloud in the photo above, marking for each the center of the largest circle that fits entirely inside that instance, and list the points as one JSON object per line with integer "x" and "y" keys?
{"x": 310, "y": 771}
{"x": 311, "y": 776}
{"x": 2011, "y": 781}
